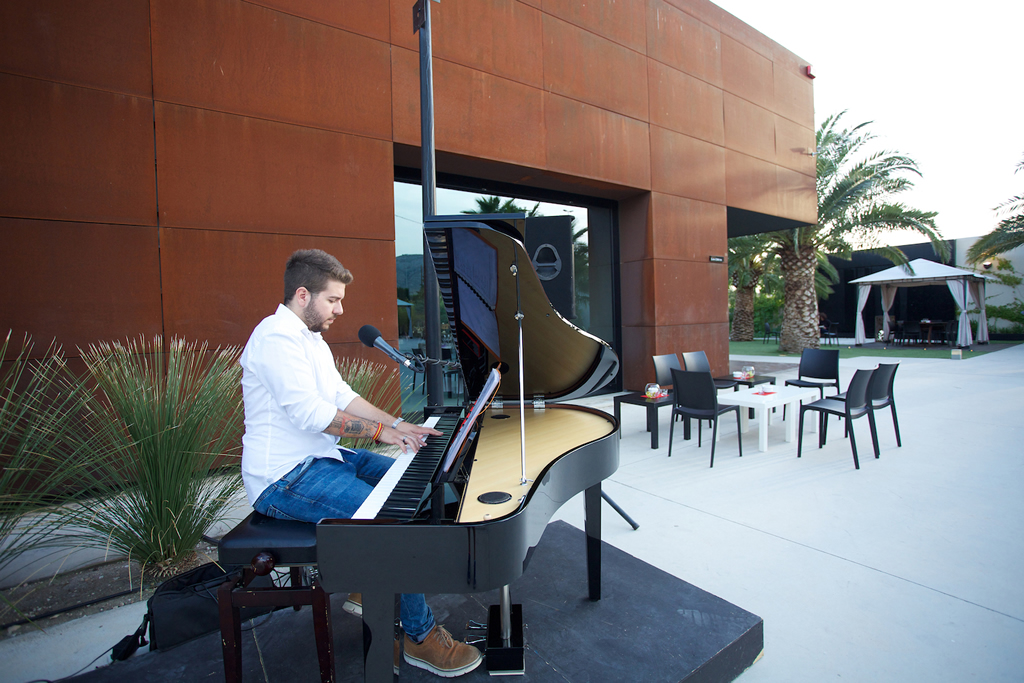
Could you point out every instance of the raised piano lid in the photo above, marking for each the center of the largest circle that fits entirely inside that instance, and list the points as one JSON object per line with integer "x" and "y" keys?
{"x": 487, "y": 279}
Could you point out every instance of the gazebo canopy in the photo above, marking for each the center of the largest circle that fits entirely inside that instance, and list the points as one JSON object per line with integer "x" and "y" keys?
{"x": 925, "y": 272}
{"x": 918, "y": 273}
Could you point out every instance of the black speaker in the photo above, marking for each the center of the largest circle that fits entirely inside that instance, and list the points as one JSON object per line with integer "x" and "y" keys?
{"x": 549, "y": 244}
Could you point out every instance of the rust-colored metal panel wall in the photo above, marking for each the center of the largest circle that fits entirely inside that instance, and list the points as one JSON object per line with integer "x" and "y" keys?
{"x": 712, "y": 338}
{"x": 583, "y": 140}
{"x": 678, "y": 40}
{"x": 747, "y": 74}
{"x": 272, "y": 124}
{"x": 749, "y": 129}
{"x": 621, "y": 22}
{"x": 794, "y": 148}
{"x": 220, "y": 284}
{"x": 592, "y": 69}
{"x": 752, "y": 184}
{"x": 476, "y": 114}
{"x": 685, "y": 104}
{"x": 369, "y": 18}
{"x": 228, "y": 172}
{"x": 691, "y": 230}
{"x": 79, "y": 283}
{"x": 687, "y": 167}
{"x": 501, "y": 37}
{"x": 71, "y": 153}
{"x": 244, "y": 59}
{"x": 100, "y": 44}
{"x": 690, "y": 292}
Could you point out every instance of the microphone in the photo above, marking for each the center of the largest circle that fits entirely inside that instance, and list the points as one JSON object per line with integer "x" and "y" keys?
{"x": 370, "y": 336}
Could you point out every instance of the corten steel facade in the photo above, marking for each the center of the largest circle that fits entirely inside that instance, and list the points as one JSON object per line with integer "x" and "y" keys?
{"x": 160, "y": 159}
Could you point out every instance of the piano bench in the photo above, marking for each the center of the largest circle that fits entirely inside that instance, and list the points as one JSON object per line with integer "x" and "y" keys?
{"x": 262, "y": 544}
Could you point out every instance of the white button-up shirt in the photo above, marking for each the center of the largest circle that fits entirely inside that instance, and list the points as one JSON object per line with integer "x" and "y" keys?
{"x": 292, "y": 391}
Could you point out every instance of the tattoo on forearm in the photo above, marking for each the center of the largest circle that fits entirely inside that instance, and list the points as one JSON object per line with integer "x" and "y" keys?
{"x": 354, "y": 428}
{"x": 336, "y": 424}
{"x": 344, "y": 426}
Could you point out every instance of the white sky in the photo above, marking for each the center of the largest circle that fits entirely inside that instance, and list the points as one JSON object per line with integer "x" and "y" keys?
{"x": 939, "y": 85}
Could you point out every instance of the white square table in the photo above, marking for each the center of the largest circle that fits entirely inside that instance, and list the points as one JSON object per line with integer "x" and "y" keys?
{"x": 763, "y": 404}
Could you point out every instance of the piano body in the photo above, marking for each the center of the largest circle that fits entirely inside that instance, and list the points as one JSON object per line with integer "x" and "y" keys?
{"x": 492, "y": 506}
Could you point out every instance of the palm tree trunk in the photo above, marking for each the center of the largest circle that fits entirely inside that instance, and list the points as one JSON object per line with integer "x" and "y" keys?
{"x": 800, "y": 307}
{"x": 743, "y": 315}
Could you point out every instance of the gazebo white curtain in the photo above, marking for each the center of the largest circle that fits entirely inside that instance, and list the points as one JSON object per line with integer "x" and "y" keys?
{"x": 888, "y": 296}
{"x": 977, "y": 290}
{"x": 862, "y": 299}
{"x": 958, "y": 288}
{"x": 863, "y": 292}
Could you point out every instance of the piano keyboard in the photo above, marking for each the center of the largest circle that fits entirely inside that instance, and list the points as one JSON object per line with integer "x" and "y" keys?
{"x": 400, "y": 490}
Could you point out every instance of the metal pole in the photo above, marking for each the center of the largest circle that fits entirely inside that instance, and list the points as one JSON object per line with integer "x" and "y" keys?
{"x": 428, "y": 179}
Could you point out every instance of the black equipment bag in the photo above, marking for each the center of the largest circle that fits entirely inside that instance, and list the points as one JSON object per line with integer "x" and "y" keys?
{"x": 185, "y": 607}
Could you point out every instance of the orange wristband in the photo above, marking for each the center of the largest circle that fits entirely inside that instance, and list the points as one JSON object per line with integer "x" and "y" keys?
{"x": 380, "y": 428}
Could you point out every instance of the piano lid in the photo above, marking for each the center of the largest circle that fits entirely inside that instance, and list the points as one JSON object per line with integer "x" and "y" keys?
{"x": 487, "y": 280}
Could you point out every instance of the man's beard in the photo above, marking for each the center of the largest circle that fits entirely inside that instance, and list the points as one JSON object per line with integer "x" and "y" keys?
{"x": 314, "y": 321}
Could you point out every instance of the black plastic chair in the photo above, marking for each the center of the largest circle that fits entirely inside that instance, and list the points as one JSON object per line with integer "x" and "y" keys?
{"x": 697, "y": 397}
{"x": 949, "y": 332}
{"x": 911, "y": 333}
{"x": 880, "y": 393}
{"x": 831, "y": 335}
{"x": 697, "y": 361}
{"x": 822, "y": 365}
{"x": 770, "y": 332}
{"x": 856, "y": 405}
{"x": 663, "y": 366}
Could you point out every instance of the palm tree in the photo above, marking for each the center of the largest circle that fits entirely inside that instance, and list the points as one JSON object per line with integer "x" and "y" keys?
{"x": 752, "y": 263}
{"x": 494, "y": 204}
{"x": 1008, "y": 235}
{"x": 855, "y": 191}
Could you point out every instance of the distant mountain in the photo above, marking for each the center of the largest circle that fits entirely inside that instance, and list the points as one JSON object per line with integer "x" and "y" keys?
{"x": 409, "y": 272}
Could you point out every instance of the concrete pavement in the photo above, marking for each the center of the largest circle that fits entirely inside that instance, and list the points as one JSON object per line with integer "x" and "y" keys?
{"x": 905, "y": 570}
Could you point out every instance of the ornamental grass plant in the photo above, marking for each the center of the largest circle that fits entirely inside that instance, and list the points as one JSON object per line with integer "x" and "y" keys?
{"x": 40, "y": 463}
{"x": 165, "y": 422}
{"x": 375, "y": 382}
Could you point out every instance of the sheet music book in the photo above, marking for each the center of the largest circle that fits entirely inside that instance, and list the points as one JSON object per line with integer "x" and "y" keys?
{"x": 482, "y": 401}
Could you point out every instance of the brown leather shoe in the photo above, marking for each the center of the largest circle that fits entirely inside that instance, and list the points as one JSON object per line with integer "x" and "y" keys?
{"x": 441, "y": 654}
{"x": 354, "y": 604}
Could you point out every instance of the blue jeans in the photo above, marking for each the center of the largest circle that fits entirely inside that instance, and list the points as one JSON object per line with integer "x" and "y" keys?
{"x": 322, "y": 488}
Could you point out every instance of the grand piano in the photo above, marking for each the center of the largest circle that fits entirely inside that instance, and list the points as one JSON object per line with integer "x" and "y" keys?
{"x": 466, "y": 519}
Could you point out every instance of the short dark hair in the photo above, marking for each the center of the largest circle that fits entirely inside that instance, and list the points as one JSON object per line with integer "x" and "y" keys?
{"x": 312, "y": 269}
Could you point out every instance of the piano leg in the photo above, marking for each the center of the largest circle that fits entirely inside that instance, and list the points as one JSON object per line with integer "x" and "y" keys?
{"x": 378, "y": 637}
{"x": 592, "y": 506}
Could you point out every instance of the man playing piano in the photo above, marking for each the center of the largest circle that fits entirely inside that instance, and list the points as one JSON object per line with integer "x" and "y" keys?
{"x": 296, "y": 407}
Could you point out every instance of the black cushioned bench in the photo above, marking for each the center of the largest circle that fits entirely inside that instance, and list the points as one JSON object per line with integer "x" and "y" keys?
{"x": 261, "y": 544}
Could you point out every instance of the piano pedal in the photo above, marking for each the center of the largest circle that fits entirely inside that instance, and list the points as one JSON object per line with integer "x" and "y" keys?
{"x": 474, "y": 625}
{"x": 501, "y": 658}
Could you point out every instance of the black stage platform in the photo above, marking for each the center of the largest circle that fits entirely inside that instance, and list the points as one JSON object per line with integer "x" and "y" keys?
{"x": 649, "y": 626}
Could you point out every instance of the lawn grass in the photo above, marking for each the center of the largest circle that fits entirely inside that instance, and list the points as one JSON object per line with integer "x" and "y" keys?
{"x": 759, "y": 348}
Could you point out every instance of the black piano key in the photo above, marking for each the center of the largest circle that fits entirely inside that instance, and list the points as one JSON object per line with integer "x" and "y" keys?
{"x": 404, "y": 500}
